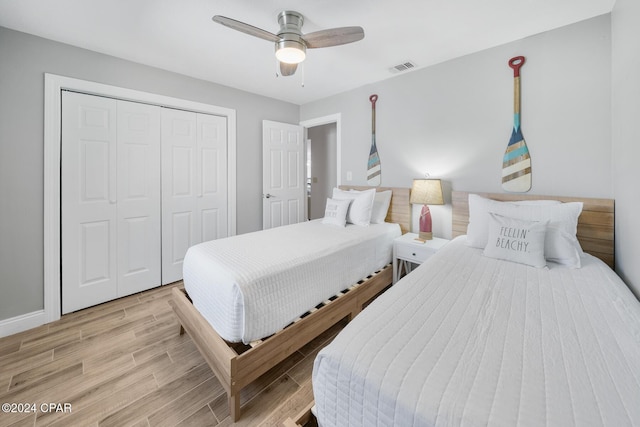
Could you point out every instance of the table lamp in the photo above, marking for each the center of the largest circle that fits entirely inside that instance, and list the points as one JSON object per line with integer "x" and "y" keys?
{"x": 426, "y": 192}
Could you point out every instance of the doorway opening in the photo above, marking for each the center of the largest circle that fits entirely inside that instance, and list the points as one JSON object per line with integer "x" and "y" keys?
{"x": 322, "y": 163}
{"x": 321, "y": 168}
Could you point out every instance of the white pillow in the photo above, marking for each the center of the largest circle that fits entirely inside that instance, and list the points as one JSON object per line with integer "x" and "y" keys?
{"x": 561, "y": 243}
{"x": 516, "y": 240}
{"x": 479, "y": 208}
{"x": 381, "y": 203}
{"x": 361, "y": 206}
{"x": 335, "y": 212}
{"x": 562, "y": 247}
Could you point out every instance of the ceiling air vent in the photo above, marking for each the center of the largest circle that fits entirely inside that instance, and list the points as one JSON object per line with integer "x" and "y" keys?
{"x": 404, "y": 66}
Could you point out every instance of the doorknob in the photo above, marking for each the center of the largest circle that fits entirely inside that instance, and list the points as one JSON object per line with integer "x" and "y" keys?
{"x": 268, "y": 196}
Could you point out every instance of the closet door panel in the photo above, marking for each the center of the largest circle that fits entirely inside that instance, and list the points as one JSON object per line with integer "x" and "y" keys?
{"x": 180, "y": 225}
{"x": 88, "y": 201}
{"x": 181, "y": 236}
{"x": 194, "y": 185}
{"x": 139, "y": 197}
{"x": 211, "y": 223}
{"x": 212, "y": 173}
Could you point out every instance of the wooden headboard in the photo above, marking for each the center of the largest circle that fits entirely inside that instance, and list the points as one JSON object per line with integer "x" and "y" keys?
{"x": 400, "y": 209}
{"x": 595, "y": 225}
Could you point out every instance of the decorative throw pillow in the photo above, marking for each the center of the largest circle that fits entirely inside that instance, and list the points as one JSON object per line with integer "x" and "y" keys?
{"x": 361, "y": 206}
{"x": 381, "y": 203}
{"x": 335, "y": 212}
{"x": 516, "y": 240}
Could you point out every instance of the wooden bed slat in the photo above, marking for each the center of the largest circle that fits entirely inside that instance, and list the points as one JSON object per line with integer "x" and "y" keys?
{"x": 253, "y": 364}
{"x": 235, "y": 371}
{"x": 596, "y": 224}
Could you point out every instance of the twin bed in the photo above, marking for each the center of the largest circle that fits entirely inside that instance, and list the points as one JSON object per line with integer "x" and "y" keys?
{"x": 468, "y": 339}
{"x": 252, "y": 300}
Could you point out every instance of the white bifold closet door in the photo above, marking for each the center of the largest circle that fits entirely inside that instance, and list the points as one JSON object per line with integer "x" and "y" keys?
{"x": 140, "y": 184}
{"x": 194, "y": 185}
{"x": 110, "y": 199}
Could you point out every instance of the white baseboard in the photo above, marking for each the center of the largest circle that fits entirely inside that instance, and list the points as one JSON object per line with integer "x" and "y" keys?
{"x": 22, "y": 323}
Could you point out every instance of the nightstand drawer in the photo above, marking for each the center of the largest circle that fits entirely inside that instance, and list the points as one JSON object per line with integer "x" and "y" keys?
{"x": 414, "y": 253}
{"x": 407, "y": 250}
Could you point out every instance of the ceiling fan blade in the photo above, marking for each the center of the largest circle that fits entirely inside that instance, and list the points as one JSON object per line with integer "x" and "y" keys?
{"x": 288, "y": 69}
{"x": 333, "y": 37}
{"x": 245, "y": 28}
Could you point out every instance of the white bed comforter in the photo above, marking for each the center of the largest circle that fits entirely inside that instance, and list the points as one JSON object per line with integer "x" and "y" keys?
{"x": 252, "y": 285}
{"x": 473, "y": 341}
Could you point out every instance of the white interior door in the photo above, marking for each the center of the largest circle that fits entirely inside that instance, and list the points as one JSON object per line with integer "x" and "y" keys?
{"x": 88, "y": 200}
{"x": 139, "y": 228}
{"x": 283, "y": 183}
{"x": 194, "y": 185}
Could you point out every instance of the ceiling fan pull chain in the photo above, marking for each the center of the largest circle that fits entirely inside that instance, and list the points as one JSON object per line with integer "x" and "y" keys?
{"x": 302, "y": 73}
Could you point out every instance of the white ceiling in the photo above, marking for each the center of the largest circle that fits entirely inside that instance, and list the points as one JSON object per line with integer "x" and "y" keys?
{"x": 179, "y": 35}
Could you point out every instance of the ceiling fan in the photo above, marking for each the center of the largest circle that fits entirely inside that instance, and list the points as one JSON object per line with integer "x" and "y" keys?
{"x": 291, "y": 44}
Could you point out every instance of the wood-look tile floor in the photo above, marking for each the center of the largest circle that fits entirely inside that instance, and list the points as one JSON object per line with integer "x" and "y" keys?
{"x": 124, "y": 363}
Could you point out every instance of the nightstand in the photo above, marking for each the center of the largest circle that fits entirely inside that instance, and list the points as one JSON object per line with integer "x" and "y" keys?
{"x": 407, "y": 250}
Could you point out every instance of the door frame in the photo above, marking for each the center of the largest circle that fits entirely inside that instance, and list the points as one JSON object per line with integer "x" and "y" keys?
{"x": 319, "y": 121}
{"x": 54, "y": 84}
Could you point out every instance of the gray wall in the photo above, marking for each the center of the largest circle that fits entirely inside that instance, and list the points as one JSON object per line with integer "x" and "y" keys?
{"x": 23, "y": 61}
{"x": 453, "y": 120}
{"x": 626, "y": 144}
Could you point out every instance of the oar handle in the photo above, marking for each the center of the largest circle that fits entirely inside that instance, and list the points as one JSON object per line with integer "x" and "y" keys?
{"x": 516, "y": 62}
{"x": 373, "y": 98}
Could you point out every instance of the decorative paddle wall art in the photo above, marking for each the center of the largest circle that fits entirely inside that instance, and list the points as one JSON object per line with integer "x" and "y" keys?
{"x": 516, "y": 163}
{"x": 373, "y": 165}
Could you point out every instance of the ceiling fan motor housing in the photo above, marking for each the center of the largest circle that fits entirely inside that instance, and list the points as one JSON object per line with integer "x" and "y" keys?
{"x": 291, "y": 47}
{"x": 290, "y": 20}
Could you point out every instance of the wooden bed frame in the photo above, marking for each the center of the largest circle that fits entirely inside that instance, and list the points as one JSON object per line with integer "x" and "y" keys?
{"x": 237, "y": 365}
{"x": 595, "y": 233}
{"x": 595, "y": 224}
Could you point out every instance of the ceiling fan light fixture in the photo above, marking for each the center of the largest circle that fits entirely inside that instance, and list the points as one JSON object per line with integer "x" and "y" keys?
{"x": 290, "y": 51}
{"x": 290, "y": 42}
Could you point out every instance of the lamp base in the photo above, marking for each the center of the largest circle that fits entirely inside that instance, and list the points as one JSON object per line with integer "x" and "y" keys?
{"x": 425, "y": 235}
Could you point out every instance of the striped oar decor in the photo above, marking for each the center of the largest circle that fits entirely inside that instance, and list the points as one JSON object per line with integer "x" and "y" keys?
{"x": 373, "y": 165}
{"x": 516, "y": 163}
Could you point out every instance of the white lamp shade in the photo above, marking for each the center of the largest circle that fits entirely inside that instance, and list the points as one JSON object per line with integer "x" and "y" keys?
{"x": 426, "y": 192}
